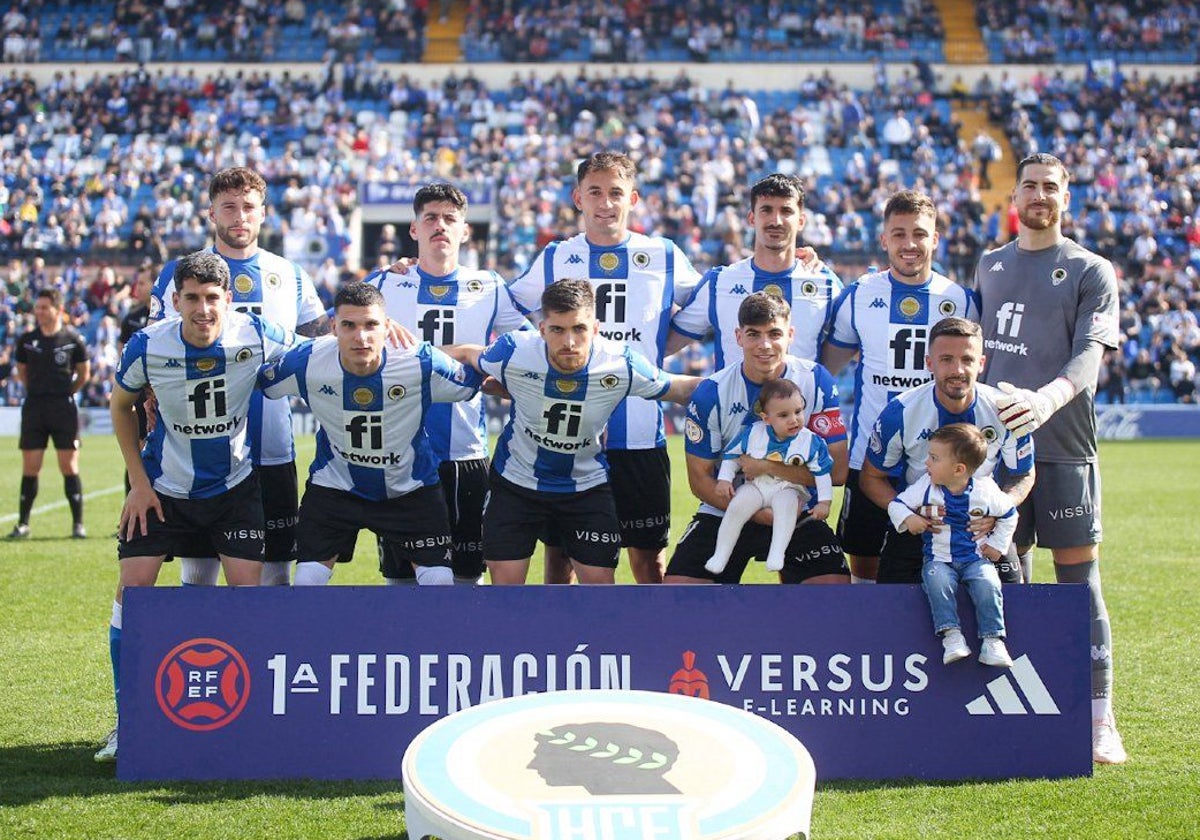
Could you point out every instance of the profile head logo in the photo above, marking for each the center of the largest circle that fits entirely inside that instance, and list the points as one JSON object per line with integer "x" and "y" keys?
{"x": 202, "y": 685}
{"x": 605, "y": 758}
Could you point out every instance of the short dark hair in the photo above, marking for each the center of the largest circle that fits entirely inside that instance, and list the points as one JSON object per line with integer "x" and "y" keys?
{"x": 762, "y": 308}
{"x": 909, "y": 202}
{"x": 51, "y": 294}
{"x": 440, "y": 191}
{"x": 568, "y": 296}
{"x": 778, "y": 389}
{"x": 965, "y": 442}
{"x": 778, "y": 185}
{"x": 959, "y": 327}
{"x": 204, "y": 267}
{"x": 236, "y": 179}
{"x": 607, "y": 161}
{"x": 1045, "y": 160}
{"x": 358, "y": 294}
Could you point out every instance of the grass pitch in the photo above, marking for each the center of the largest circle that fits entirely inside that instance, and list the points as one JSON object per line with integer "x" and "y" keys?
{"x": 56, "y": 694}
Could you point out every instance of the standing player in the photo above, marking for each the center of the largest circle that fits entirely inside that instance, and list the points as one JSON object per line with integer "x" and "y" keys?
{"x": 809, "y": 287}
{"x": 1050, "y": 309}
{"x": 637, "y": 280}
{"x": 135, "y": 319}
{"x": 443, "y": 303}
{"x": 885, "y": 318}
{"x": 52, "y": 363}
{"x": 566, "y": 384}
{"x": 374, "y": 466}
{"x": 899, "y": 441}
{"x": 193, "y": 484}
{"x": 721, "y": 408}
{"x": 278, "y": 290}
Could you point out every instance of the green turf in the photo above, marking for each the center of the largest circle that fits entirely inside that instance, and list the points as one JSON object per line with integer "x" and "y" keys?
{"x": 56, "y": 701}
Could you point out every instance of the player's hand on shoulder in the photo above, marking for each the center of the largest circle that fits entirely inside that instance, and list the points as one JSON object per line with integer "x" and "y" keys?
{"x": 491, "y": 385}
{"x": 400, "y": 336}
{"x": 402, "y": 265}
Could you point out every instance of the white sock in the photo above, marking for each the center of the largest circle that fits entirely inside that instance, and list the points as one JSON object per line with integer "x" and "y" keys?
{"x": 276, "y": 573}
{"x": 115, "y": 621}
{"x": 434, "y": 575}
{"x": 199, "y": 571}
{"x": 312, "y": 574}
{"x": 1101, "y": 708}
{"x": 857, "y": 579}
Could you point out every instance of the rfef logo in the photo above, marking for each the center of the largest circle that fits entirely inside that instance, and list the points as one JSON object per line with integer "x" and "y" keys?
{"x": 203, "y": 684}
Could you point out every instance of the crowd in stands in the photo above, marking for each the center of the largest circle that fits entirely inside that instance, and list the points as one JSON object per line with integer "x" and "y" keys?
{"x": 110, "y": 170}
{"x": 701, "y": 30}
{"x": 1047, "y": 31}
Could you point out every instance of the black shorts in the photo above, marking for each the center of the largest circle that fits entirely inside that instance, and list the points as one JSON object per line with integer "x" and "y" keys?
{"x": 280, "y": 500}
{"x": 903, "y": 556}
{"x": 516, "y": 516}
{"x": 814, "y": 550}
{"x": 415, "y": 524}
{"x": 641, "y": 488}
{"x": 465, "y": 487}
{"x": 49, "y": 418}
{"x": 862, "y": 525}
{"x": 230, "y": 524}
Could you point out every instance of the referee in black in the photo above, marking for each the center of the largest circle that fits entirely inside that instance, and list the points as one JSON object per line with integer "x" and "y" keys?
{"x": 52, "y": 363}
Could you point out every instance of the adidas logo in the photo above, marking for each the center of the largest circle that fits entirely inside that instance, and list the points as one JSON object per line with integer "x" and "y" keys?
{"x": 999, "y": 266}
{"x": 878, "y": 303}
{"x": 328, "y": 390}
{"x": 574, "y": 259}
{"x": 1003, "y": 693}
{"x": 739, "y": 289}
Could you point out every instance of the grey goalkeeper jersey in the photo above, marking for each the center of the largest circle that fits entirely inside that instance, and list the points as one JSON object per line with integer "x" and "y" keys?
{"x": 1039, "y": 309}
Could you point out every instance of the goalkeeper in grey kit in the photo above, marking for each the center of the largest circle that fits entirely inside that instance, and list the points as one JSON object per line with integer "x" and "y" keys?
{"x": 1050, "y": 310}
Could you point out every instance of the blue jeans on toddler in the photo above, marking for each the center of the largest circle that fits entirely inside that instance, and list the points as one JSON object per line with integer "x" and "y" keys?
{"x": 940, "y": 581}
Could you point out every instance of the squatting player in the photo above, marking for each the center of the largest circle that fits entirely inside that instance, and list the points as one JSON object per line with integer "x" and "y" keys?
{"x": 193, "y": 484}
{"x": 444, "y": 303}
{"x": 565, "y": 382}
{"x": 885, "y": 318}
{"x": 281, "y": 292}
{"x": 1050, "y": 310}
{"x": 374, "y": 465}
{"x": 637, "y": 281}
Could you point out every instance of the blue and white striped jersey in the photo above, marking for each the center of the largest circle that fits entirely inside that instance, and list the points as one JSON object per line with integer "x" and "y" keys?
{"x": 727, "y": 402}
{"x": 758, "y": 440}
{"x": 954, "y": 543}
{"x": 551, "y": 441}
{"x": 466, "y": 307}
{"x": 889, "y": 322}
{"x": 199, "y": 447}
{"x": 899, "y": 440}
{"x": 715, "y": 304}
{"x": 279, "y": 291}
{"x": 636, "y": 284}
{"x": 372, "y": 440}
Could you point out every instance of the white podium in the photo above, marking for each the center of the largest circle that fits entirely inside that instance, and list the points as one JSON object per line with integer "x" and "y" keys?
{"x": 606, "y": 765}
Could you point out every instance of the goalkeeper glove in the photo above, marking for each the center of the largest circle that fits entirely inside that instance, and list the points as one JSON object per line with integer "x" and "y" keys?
{"x": 1024, "y": 411}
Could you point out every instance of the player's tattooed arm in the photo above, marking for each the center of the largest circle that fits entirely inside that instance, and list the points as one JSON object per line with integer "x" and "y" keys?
{"x": 320, "y": 325}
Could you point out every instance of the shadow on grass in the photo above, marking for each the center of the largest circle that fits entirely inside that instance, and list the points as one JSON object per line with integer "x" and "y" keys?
{"x": 36, "y": 772}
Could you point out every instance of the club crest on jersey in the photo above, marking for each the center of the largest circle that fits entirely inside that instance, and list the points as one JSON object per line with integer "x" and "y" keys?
{"x": 243, "y": 284}
{"x": 947, "y": 308}
{"x": 362, "y": 396}
{"x": 243, "y": 355}
{"x": 909, "y": 307}
{"x": 439, "y": 292}
{"x": 566, "y": 386}
{"x": 772, "y": 289}
{"x": 1058, "y": 275}
{"x": 155, "y": 308}
{"x": 774, "y": 456}
{"x": 808, "y": 288}
{"x": 273, "y": 280}
{"x": 975, "y": 512}
{"x": 396, "y": 392}
{"x": 989, "y": 434}
{"x": 610, "y": 381}
{"x": 692, "y": 430}
{"x": 474, "y": 286}
{"x": 609, "y": 261}
{"x": 641, "y": 259}
{"x": 205, "y": 365}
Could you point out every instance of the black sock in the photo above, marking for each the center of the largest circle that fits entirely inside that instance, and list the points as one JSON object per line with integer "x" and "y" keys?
{"x": 29, "y": 488}
{"x": 74, "y": 490}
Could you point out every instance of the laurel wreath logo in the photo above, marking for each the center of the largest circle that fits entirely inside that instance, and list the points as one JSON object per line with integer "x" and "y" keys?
{"x": 610, "y": 751}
